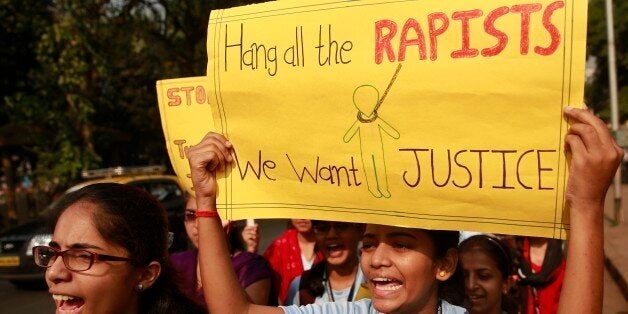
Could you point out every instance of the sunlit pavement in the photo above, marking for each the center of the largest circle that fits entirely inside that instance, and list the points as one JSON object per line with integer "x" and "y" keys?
{"x": 616, "y": 256}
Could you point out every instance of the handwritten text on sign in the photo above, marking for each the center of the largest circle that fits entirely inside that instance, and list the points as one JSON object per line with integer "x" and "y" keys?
{"x": 426, "y": 162}
{"x": 186, "y": 117}
{"x": 394, "y": 39}
{"x": 426, "y": 113}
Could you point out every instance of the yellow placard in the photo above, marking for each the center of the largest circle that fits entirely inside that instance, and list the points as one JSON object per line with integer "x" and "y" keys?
{"x": 186, "y": 116}
{"x": 430, "y": 114}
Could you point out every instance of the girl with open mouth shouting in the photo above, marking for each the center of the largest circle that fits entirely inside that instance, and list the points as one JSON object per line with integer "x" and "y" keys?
{"x": 338, "y": 277}
{"x": 109, "y": 254}
{"x": 405, "y": 267}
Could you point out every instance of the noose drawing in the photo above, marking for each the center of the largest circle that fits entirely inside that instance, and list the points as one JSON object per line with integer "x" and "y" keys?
{"x": 370, "y": 127}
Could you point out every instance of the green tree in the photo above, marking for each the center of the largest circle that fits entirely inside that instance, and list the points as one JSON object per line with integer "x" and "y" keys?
{"x": 596, "y": 90}
{"x": 21, "y": 25}
{"x": 92, "y": 77}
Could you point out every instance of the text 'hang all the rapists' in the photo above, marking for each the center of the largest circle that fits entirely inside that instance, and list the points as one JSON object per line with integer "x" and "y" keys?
{"x": 254, "y": 55}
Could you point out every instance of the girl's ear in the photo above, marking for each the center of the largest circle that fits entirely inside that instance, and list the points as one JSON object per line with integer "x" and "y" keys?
{"x": 446, "y": 266}
{"x": 149, "y": 274}
{"x": 507, "y": 284}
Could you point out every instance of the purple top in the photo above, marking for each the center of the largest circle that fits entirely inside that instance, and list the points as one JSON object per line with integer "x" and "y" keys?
{"x": 249, "y": 268}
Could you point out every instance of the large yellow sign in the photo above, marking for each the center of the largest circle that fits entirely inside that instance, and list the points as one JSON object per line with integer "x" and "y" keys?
{"x": 431, "y": 114}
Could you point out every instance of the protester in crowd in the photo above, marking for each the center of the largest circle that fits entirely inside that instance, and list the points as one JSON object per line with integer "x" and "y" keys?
{"x": 486, "y": 265}
{"x": 404, "y": 266}
{"x": 109, "y": 254}
{"x": 253, "y": 271}
{"x": 541, "y": 271}
{"x": 338, "y": 277}
{"x": 251, "y": 237}
{"x": 293, "y": 252}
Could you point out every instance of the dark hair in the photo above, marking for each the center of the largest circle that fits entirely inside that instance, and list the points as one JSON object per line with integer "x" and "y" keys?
{"x": 444, "y": 241}
{"x": 234, "y": 236}
{"x": 131, "y": 218}
{"x": 500, "y": 253}
{"x": 494, "y": 248}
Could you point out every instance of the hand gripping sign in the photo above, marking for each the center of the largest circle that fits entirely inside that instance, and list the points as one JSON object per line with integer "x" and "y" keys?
{"x": 428, "y": 114}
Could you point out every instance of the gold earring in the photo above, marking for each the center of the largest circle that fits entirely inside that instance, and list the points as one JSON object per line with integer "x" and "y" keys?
{"x": 442, "y": 273}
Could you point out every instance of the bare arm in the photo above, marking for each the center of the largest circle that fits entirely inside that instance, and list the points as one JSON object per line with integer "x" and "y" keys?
{"x": 221, "y": 288}
{"x": 594, "y": 159}
{"x": 259, "y": 291}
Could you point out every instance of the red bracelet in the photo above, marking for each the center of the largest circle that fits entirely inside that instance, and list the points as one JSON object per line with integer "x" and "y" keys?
{"x": 207, "y": 214}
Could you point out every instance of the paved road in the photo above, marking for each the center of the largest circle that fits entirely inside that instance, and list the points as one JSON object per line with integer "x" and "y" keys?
{"x": 614, "y": 301}
{"x": 16, "y": 301}
{"x": 615, "y": 239}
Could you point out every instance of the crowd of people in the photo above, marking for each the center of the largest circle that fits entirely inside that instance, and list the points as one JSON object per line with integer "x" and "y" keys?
{"x": 112, "y": 241}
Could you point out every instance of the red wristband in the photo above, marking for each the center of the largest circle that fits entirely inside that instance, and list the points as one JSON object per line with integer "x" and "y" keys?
{"x": 207, "y": 214}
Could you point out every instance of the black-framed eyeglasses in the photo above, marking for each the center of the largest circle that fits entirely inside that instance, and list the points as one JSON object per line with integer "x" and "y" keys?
{"x": 189, "y": 215}
{"x": 323, "y": 227}
{"x": 73, "y": 259}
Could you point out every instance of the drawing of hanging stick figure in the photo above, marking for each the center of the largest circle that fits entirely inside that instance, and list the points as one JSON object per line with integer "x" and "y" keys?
{"x": 370, "y": 127}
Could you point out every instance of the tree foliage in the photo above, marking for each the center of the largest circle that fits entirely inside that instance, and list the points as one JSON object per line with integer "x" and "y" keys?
{"x": 597, "y": 89}
{"x": 85, "y": 79}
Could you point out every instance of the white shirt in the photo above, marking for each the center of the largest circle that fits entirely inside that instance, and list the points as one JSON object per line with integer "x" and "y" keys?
{"x": 358, "y": 307}
{"x": 339, "y": 295}
{"x": 307, "y": 264}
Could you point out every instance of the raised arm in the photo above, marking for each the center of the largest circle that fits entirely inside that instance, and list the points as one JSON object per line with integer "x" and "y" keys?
{"x": 221, "y": 288}
{"x": 594, "y": 159}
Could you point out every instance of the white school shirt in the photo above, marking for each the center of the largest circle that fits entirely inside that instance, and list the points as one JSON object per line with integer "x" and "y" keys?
{"x": 339, "y": 295}
{"x": 364, "y": 306}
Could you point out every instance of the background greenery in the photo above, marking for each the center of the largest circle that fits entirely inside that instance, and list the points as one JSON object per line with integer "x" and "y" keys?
{"x": 78, "y": 79}
{"x": 596, "y": 90}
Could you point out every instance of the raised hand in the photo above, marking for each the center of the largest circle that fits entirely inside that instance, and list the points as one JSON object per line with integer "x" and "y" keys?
{"x": 595, "y": 157}
{"x": 250, "y": 234}
{"x": 206, "y": 158}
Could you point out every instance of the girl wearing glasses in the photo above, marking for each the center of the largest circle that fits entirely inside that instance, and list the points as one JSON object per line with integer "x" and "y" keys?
{"x": 338, "y": 277}
{"x": 404, "y": 267}
{"x": 253, "y": 271}
{"x": 109, "y": 254}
